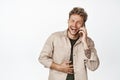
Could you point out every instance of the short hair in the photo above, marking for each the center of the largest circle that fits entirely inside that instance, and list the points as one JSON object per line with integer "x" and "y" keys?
{"x": 79, "y": 11}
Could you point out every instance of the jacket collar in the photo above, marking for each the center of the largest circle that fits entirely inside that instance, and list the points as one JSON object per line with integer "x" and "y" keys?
{"x": 66, "y": 35}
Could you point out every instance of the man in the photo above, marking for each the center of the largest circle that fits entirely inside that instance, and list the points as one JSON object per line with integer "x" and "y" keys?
{"x": 69, "y": 53}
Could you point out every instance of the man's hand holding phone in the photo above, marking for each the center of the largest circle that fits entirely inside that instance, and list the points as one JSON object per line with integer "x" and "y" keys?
{"x": 83, "y": 36}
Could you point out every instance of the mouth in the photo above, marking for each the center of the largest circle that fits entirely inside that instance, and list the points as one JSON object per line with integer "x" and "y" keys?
{"x": 73, "y": 29}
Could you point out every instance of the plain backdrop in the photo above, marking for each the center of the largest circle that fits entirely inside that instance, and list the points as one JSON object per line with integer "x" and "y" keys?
{"x": 26, "y": 24}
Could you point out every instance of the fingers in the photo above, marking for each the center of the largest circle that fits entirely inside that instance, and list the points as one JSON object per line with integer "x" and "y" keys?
{"x": 67, "y": 68}
{"x": 67, "y": 62}
{"x": 83, "y": 30}
{"x": 71, "y": 66}
{"x": 70, "y": 71}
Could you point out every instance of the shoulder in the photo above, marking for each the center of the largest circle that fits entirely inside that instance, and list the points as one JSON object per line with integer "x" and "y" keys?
{"x": 90, "y": 41}
{"x": 57, "y": 34}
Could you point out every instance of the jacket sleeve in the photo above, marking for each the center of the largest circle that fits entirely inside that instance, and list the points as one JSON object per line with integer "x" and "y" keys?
{"x": 92, "y": 63}
{"x": 45, "y": 57}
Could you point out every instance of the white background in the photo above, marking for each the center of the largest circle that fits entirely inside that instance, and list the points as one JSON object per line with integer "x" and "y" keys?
{"x": 26, "y": 24}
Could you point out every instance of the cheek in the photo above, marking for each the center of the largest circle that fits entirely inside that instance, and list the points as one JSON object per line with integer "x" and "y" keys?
{"x": 79, "y": 26}
{"x": 69, "y": 25}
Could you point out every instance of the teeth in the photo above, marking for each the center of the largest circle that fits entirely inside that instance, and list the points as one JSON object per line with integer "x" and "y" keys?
{"x": 73, "y": 29}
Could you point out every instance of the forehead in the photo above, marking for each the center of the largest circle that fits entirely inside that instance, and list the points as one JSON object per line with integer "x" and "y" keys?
{"x": 76, "y": 17}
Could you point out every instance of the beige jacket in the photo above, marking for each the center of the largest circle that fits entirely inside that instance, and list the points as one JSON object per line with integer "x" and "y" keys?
{"x": 57, "y": 49}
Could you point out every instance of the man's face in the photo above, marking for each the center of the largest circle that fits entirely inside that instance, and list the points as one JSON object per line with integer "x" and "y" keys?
{"x": 75, "y": 22}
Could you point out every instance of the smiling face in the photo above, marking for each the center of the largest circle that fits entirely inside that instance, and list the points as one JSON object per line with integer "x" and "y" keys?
{"x": 75, "y": 22}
